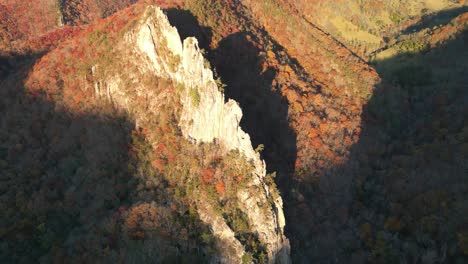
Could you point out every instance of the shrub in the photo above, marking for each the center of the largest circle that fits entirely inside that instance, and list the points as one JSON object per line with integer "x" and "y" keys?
{"x": 195, "y": 96}
{"x": 413, "y": 47}
{"x": 395, "y": 18}
{"x": 220, "y": 84}
{"x": 208, "y": 175}
{"x": 220, "y": 188}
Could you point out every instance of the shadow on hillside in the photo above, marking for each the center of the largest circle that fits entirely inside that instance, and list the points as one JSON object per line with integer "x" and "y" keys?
{"x": 187, "y": 25}
{"x": 239, "y": 63}
{"x": 439, "y": 18}
{"x": 58, "y": 169}
{"x": 409, "y": 166}
{"x": 412, "y": 148}
{"x": 67, "y": 180}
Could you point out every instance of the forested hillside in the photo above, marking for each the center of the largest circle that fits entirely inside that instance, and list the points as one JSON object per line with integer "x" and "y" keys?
{"x": 276, "y": 131}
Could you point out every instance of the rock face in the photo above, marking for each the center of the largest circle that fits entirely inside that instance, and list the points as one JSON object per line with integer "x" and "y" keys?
{"x": 205, "y": 117}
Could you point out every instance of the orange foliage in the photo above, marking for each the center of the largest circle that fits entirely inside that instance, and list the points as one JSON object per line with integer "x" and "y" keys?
{"x": 313, "y": 133}
{"x": 138, "y": 235}
{"x": 316, "y": 143}
{"x": 208, "y": 175}
{"x": 220, "y": 188}
{"x": 158, "y": 164}
{"x": 52, "y": 39}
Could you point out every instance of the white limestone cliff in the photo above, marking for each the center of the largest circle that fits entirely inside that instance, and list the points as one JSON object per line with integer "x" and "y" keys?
{"x": 205, "y": 117}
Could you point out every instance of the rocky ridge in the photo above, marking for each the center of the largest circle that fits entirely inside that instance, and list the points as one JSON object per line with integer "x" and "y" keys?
{"x": 205, "y": 117}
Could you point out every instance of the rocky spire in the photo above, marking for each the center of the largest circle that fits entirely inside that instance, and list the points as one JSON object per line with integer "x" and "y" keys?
{"x": 207, "y": 117}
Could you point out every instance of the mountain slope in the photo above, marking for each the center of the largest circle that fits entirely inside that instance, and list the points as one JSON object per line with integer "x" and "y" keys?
{"x": 364, "y": 26}
{"x": 120, "y": 142}
{"x": 163, "y": 90}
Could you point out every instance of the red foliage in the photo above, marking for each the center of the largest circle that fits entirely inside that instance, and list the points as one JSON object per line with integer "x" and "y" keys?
{"x": 160, "y": 147}
{"x": 137, "y": 235}
{"x": 159, "y": 164}
{"x": 33, "y": 17}
{"x": 8, "y": 25}
{"x": 122, "y": 209}
{"x": 208, "y": 175}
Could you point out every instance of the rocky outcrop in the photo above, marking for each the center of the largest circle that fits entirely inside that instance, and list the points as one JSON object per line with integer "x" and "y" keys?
{"x": 205, "y": 117}
{"x": 232, "y": 250}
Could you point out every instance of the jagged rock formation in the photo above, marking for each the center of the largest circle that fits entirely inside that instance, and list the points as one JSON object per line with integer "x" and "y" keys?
{"x": 150, "y": 47}
{"x": 206, "y": 117}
